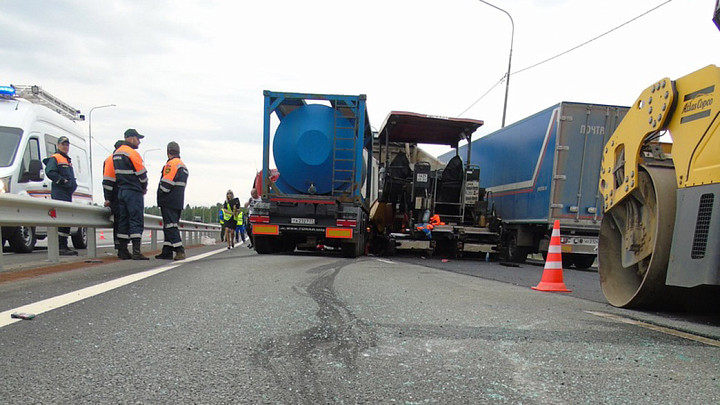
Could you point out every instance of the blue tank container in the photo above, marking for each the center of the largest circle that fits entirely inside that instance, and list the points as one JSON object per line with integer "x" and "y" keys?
{"x": 303, "y": 148}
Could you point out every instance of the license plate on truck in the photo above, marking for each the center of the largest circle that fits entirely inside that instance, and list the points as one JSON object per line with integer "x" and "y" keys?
{"x": 303, "y": 221}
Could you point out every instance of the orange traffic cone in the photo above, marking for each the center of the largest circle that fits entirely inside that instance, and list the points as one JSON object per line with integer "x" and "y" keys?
{"x": 102, "y": 235}
{"x": 552, "y": 278}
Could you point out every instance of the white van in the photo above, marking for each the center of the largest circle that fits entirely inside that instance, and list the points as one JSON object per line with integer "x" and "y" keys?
{"x": 31, "y": 121}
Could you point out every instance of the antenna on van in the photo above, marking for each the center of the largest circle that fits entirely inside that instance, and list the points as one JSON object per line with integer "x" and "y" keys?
{"x": 35, "y": 94}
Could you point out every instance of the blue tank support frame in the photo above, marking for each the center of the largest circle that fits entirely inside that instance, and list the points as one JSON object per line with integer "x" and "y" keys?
{"x": 325, "y": 154}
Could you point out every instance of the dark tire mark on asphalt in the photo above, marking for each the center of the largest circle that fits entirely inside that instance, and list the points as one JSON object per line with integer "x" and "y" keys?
{"x": 310, "y": 363}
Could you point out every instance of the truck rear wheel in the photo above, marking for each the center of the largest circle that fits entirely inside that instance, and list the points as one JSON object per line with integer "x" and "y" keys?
{"x": 263, "y": 244}
{"x": 583, "y": 261}
{"x": 23, "y": 239}
{"x": 515, "y": 253}
{"x": 353, "y": 250}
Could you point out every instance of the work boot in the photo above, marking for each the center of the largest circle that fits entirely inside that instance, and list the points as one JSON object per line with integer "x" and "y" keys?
{"x": 180, "y": 253}
{"x": 123, "y": 253}
{"x": 136, "y": 253}
{"x": 64, "y": 250}
{"x": 166, "y": 254}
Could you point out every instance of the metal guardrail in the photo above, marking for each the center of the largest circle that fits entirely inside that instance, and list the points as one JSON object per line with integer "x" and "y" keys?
{"x": 16, "y": 210}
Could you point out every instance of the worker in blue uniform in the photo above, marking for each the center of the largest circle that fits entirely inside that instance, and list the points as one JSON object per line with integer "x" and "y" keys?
{"x": 58, "y": 168}
{"x": 131, "y": 182}
{"x": 171, "y": 199}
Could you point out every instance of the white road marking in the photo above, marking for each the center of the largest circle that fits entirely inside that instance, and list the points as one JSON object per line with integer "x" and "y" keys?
{"x": 49, "y": 304}
{"x": 661, "y": 329}
{"x": 385, "y": 261}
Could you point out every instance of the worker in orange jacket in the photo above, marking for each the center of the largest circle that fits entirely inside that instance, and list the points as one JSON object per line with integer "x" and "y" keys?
{"x": 110, "y": 191}
{"x": 171, "y": 200}
{"x": 131, "y": 181}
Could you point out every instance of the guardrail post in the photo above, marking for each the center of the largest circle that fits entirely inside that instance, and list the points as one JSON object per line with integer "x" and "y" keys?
{"x": 92, "y": 243}
{"x": 53, "y": 244}
{"x": 153, "y": 239}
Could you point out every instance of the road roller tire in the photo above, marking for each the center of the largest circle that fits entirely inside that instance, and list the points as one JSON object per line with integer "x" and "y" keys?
{"x": 635, "y": 240}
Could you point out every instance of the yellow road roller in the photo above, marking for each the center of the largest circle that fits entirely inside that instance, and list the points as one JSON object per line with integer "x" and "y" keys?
{"x": 660, "y": 235}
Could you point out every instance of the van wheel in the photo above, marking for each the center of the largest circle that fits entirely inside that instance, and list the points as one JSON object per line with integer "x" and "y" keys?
{"x": 23, "y": 239}
{"x": 79, "y": 238}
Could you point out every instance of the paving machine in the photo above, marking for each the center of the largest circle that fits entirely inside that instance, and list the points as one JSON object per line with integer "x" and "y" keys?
{"x": 425, "y": 204}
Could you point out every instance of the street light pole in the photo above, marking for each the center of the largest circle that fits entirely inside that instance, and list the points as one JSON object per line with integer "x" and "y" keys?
{"x": 507, "y": 76}
{"x": 90, "y": 135}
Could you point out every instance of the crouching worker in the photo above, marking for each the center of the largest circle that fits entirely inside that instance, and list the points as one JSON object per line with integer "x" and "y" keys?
{"x": 171, "y": 199}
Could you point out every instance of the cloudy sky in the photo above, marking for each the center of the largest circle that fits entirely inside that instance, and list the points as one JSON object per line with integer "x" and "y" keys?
{"x": 194, "y": 71}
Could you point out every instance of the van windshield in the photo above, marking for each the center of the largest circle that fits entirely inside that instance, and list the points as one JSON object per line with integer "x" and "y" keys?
{"x": 9, "y": 142}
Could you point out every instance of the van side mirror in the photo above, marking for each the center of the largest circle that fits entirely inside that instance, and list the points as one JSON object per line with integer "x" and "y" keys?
{"x": 35, "y": 170}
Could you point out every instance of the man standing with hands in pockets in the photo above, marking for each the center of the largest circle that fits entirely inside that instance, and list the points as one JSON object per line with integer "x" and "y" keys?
{"x": 58, "y": 168}
{"x": 131, "y": 182}
{"x": 171, "y": 200}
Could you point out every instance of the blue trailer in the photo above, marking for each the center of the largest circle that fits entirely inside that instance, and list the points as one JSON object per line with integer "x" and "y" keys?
{"x": 321, "y": 197}
{"x": 544, "y": 168}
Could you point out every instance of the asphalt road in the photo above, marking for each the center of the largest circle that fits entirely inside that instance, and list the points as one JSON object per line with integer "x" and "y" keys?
{"x": 236, "y": 327}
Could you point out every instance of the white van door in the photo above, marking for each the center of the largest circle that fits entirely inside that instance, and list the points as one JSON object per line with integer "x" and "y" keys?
{"x": 30, "y": 179}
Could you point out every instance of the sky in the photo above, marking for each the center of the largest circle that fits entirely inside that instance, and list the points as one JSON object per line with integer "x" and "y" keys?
{"x": 194, "y": 71}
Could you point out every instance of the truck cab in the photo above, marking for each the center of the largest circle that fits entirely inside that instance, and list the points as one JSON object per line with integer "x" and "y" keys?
{"x": 31, "y": 121}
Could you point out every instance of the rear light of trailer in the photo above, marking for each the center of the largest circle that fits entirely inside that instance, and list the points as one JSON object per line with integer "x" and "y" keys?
{"x": 350, "y": 223}
{"x": 259, "y": 219}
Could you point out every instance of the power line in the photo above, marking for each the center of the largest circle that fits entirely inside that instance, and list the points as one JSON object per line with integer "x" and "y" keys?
{"x": 483, "y": 96}
{"x": 564, "y": 53}
{"x": 593, "y": 39}
{"x": 101, "y": 145}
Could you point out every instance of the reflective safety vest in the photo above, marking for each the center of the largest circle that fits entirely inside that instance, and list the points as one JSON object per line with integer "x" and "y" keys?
{"x": 171, "y": 190}
{"x": 59, "y": 169}
{"x": 239, "y": 218}
{"x": 227, "y": 211}
{"x": 108, "y": 183}
{"x": 130, "y": 172}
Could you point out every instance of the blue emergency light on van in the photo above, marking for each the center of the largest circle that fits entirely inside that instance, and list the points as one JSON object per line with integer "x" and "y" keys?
{"x": 7, "y": 90}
